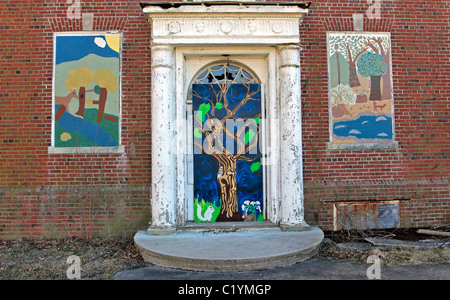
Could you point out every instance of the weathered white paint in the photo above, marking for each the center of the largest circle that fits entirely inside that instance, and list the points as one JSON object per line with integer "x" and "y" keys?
{"x": 248, "y": 34}
{"x": 292, "y": 212}
{"x": 225, "y": 24}
{"x": 163, "y": 155}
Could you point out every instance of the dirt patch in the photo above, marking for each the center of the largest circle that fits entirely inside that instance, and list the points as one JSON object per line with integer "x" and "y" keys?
{"x": 403, "y": 234}
{"x": 395, "y": 256}
{"x": 338, "y": 245}
{"x": 102, "y": 258}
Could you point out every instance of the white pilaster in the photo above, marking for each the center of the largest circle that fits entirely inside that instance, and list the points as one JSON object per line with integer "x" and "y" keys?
{"x": 164, "y": 200}
{"x": 292, "y": 208}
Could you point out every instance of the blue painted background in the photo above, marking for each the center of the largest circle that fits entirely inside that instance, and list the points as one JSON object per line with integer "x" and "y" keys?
{"x": 206, "y": 167}
{"x": 366, "y": 127}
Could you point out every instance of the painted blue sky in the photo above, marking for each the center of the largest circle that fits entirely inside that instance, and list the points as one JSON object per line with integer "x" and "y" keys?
{"x": 70, "y": 48}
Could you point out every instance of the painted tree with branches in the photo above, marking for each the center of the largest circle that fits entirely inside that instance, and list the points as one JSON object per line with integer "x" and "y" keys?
{"x": 79, "y": 79}
{"x": 340, "y": 96}
{"x": 371, "y": 65}
{"x": 226, "y": 127}
{"x": 381, "y": 45}
{"x": 351, "y": 48}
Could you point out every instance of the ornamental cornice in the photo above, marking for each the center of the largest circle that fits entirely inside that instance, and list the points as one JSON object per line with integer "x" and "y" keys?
{"x": 267, "y": 24}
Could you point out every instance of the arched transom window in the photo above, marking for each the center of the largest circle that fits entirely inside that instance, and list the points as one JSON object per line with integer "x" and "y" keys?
{"x": 225, "y": 74}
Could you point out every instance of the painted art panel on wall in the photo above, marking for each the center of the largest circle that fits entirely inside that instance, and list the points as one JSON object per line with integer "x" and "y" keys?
{"x": 86, "y": 90}
{"x": 228, "y": 178}
{"x": 360, "y": 87}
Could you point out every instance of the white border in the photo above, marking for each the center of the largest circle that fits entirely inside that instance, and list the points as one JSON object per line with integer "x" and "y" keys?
{"x": 86, "y": 150}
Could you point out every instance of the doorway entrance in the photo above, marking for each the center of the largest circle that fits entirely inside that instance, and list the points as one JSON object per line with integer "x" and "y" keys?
{"x": 218, "y": 72}
{"x": 228, "y": 174}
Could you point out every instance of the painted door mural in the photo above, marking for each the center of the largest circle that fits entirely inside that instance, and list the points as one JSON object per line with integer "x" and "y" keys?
{"x": 86, "y": 90}
{"x": 228, "y": 176}
{"x": 360, "y": 87}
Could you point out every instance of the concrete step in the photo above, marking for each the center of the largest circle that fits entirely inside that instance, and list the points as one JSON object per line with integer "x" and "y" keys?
{"x": 229, "y": 250}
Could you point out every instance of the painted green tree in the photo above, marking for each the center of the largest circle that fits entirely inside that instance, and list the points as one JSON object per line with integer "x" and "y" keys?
{"x": 350, "y": 47}
{"x": 381, "y": 45}
{"x": 371, "y": 65}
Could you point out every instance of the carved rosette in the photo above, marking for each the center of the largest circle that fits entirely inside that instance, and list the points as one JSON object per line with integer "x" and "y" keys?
{"x": 232, "y": 24}
{"x": 226, "y": 27}
{"x": 174, "y": 27}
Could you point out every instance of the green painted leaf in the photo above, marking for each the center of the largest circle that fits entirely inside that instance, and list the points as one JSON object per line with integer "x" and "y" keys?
{"x": 219, "y": 105}
{"x": 255, "y": 167}
{"x": 249, "y": 136}
{"x": 203, "y": 111}
{"x": 197, "y": 133}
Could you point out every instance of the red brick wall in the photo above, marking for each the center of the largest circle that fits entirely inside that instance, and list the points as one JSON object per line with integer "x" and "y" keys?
{"x": 58, "y": 195}
{"x": 418, "y": 171}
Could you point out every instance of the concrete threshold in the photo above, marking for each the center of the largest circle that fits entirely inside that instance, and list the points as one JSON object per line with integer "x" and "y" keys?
{"x": 229, "y": 249}
{"x": 227, "y": 226}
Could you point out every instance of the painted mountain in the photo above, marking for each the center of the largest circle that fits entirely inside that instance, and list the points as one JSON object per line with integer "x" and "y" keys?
{"x": 86, "y": 90}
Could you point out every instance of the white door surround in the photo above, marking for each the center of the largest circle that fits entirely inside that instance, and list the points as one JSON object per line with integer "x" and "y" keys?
{"x": 264, "y": 38}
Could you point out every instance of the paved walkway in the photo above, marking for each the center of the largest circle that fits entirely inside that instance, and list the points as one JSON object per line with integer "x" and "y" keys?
{"x": 314, "y": 269}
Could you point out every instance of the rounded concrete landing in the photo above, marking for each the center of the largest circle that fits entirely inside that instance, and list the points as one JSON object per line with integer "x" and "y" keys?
{"x": 241, "y": 250}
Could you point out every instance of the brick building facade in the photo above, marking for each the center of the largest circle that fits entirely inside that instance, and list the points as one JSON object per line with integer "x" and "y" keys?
{"x": 48, "y": 194}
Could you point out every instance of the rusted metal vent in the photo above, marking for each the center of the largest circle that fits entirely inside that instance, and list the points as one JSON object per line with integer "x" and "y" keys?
{"x": 366, "y": 215}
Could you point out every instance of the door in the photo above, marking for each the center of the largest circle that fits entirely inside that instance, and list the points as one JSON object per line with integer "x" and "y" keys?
{"x": 228, "y": 175}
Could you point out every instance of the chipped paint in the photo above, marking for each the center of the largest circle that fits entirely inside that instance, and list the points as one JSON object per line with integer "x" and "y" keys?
{"x": 292, "y": 212}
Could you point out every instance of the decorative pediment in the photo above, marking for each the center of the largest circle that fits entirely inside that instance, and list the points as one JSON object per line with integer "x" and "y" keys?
{"x": 235, "y": 23}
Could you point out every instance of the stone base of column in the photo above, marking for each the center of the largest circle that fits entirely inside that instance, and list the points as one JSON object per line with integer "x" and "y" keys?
{"x": 295, "y": 227}
{"x": 161, "y": 231}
